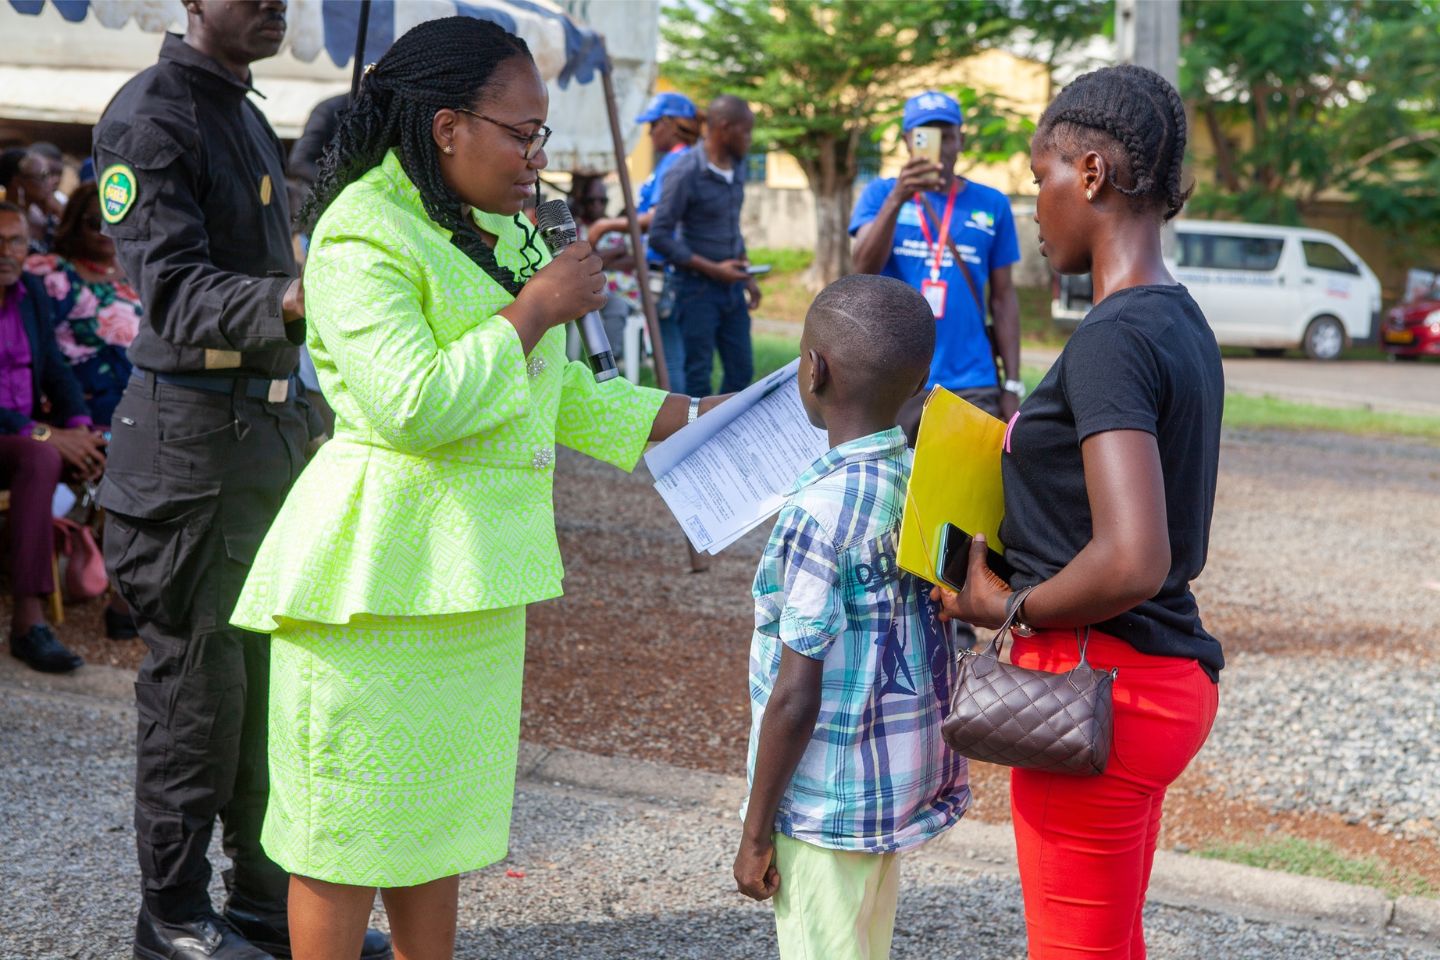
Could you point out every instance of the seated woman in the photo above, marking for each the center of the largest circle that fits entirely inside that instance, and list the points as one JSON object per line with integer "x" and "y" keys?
{"x": 96, "y": 311}
{"x": 588, "y": 198}
{"x": 34, "y": 455}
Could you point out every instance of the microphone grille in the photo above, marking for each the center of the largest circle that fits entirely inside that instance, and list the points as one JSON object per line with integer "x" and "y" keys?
{"x": 554, "y": 215}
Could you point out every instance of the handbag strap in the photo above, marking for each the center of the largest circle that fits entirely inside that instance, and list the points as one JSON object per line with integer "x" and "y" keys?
{"x": 1008, "y": 626}
{"x": 997, "y": 644}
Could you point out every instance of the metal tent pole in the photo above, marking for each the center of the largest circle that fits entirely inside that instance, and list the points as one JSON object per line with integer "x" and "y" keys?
{"x": 642, "y": 272}
{"x": 359, "y": 65}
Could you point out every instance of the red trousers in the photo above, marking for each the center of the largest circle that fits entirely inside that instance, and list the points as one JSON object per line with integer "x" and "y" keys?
{"x": 31, "y": 471}
{"x": 1085, "y": 844}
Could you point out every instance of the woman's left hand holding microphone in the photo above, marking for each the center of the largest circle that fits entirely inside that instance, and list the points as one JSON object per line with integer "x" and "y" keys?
{"x": 569, "y": 286}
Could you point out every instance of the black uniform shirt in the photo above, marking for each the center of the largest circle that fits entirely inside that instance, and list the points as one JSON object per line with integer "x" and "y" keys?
{"x": 192, "y": 189}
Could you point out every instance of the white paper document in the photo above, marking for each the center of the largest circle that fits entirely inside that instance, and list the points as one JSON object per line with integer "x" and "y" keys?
{"x": 730, "y": 470}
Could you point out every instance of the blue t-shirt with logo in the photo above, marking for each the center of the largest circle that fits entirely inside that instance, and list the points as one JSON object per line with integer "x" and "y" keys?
{"x": 983, "y": 229}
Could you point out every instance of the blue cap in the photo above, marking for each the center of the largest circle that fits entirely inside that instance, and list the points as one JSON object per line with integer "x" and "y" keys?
{"x": 667, "y": 105}
{"x": 932, "y": 106}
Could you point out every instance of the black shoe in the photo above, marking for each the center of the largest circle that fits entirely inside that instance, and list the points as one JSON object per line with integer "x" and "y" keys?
{"x": 205, "y": 938}
{"x": 270, "y": 929}
{"x": 120, "y": 626}
{"x": 39, "y": 649}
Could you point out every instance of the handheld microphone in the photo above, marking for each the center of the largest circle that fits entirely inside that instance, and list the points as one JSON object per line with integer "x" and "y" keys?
{"x": 557, "y": 230}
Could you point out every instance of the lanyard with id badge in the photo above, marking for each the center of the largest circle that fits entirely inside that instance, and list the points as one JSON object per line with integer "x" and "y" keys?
{"x": 935, "y": 290}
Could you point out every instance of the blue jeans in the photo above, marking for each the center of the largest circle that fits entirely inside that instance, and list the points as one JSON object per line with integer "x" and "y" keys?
{"x": 713, "y": 316}
{"x": 672, "y": 338}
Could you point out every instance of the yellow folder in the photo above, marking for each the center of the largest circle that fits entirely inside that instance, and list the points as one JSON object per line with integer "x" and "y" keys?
{"x": 955, "y": 479}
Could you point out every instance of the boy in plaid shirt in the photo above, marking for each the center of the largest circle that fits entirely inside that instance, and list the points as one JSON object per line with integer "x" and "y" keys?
{"x": 850, "y": 671}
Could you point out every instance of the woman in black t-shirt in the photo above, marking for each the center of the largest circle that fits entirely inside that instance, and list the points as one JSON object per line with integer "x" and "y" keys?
{"x": 1109, "y": 472}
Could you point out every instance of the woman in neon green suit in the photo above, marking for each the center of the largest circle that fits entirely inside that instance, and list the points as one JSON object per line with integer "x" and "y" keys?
{"x": 395, "y": 579}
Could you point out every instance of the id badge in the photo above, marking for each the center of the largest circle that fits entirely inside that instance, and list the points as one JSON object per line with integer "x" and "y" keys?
{"x": 934, "y": 293}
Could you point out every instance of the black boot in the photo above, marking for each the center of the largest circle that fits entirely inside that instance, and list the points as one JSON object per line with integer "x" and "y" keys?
{"x": 269, "y": 928}
{"x": 205, "y": 938}
{"x": 39, "y": 649}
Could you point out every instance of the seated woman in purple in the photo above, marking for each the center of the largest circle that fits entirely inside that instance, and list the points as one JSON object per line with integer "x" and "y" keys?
{"x": 38, "y": 446}
{"x": 96, "y": 311}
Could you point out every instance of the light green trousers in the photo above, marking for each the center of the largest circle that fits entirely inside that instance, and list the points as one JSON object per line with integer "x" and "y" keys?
{"x": 834, "y": 904}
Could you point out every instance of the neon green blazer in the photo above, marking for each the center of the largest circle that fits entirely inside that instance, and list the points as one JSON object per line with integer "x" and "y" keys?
{"x": 435, "y": 495}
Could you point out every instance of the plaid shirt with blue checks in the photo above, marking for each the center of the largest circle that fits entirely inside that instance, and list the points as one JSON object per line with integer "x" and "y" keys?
{"x": 877, "y": 776}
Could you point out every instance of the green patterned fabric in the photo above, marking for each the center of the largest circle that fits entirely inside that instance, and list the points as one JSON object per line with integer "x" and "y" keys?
{"x": 435, "y": 495}
{"x": 393, "y": 745}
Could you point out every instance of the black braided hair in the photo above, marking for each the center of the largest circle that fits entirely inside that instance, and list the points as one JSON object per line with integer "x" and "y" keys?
{"x": 445, "y": 63}
{"x": 1135, "y": 118}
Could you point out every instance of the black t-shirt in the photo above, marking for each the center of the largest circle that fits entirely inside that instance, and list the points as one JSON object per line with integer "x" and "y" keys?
{"x": 1144, "y": 359}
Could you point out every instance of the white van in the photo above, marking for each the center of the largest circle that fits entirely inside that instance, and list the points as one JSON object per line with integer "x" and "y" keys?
{"x": 1270, "y": 288}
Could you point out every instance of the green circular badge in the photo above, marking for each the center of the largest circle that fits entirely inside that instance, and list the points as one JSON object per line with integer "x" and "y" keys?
{"x": 118, "y": 190}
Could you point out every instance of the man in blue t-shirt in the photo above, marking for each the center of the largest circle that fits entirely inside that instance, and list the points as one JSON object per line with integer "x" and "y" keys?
{"x": 896, "y": 236}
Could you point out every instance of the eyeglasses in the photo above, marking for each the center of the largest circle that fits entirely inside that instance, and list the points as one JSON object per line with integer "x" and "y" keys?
{"x": 532, "y": 143}
{"x": 18, "y": 241}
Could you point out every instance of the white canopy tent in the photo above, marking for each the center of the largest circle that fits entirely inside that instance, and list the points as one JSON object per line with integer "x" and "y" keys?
{"x": 63, "y": 70}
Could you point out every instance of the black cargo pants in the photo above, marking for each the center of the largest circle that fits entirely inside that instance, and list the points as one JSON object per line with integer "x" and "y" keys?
{"x": 193, "y": 482}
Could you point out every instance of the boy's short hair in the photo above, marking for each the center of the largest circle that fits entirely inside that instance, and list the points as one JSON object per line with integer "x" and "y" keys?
{"x": 880, "y": 330}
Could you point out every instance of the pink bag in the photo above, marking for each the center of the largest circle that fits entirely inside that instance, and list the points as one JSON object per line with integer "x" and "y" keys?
{"x": 84, "y": 565}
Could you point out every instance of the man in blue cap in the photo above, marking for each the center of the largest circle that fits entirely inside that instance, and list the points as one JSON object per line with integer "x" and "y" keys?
{"x": 674, "y": 128}
{"x": 912, "y": 227}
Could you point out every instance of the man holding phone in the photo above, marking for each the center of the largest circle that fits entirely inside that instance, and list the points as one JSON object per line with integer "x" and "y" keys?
{"x": 912, "y": 226}
{"x": 697, "y": 230}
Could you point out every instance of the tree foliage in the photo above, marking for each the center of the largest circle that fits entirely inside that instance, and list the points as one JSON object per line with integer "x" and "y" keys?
{"x": 824, "y": 76}
{"x": 1302, "y": 99}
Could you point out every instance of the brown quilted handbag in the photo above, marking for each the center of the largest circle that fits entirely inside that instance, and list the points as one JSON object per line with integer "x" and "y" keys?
{"x": 1001, "y": 713}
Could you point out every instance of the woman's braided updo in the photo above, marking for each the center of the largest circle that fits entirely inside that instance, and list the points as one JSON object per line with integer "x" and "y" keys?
{"x": 1136, "y": 120}
{"x": 439, "y": 64}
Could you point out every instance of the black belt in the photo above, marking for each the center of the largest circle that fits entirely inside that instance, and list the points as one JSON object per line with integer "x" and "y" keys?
{"x": 271, "y": 391}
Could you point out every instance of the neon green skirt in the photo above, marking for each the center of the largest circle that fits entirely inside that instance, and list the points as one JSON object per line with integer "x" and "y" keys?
{"x": 393, "y": 744}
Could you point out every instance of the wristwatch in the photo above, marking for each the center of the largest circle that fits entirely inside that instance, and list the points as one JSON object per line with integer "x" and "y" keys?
{"x": 694, "y": 411}
{"x": 41, "y": 432}
{"x": 1016, "y": 387}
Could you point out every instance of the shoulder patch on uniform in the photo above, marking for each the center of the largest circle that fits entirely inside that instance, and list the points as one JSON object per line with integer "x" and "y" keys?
{"x": 118, "y": 189}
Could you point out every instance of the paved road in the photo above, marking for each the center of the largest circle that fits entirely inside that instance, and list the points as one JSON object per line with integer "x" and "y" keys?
{"x": 1412, "y": 388}
{"x": 592, "y": 874}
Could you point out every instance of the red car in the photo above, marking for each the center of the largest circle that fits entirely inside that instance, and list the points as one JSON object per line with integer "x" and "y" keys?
{"x": 1412, "y": 330}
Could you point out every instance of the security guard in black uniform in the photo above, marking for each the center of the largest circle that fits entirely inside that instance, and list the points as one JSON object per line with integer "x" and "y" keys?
{"x": 206, "y": 442}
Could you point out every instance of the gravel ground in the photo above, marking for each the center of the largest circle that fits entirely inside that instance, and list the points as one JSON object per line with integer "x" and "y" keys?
{"x": 1325, "y": 543}
{"x": 603, "y": 878}
{"x": 1356, "y": 738}
{"x": 1323, "y": 584}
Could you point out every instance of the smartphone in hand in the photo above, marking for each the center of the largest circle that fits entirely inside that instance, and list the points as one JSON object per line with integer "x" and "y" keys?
{"x": 927, "y": 143}
{"x": 953, "y": 563}
{"x": 757, "y": 269}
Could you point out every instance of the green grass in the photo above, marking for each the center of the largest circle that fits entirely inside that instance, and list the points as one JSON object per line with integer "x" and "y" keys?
{"x": 1316, "y": 859}
{"x": 1272, "y": 413}
{"x": 772, "y": 352}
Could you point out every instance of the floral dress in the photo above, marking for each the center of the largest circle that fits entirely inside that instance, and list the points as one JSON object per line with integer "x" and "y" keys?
{"x": 95, "y": 321}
